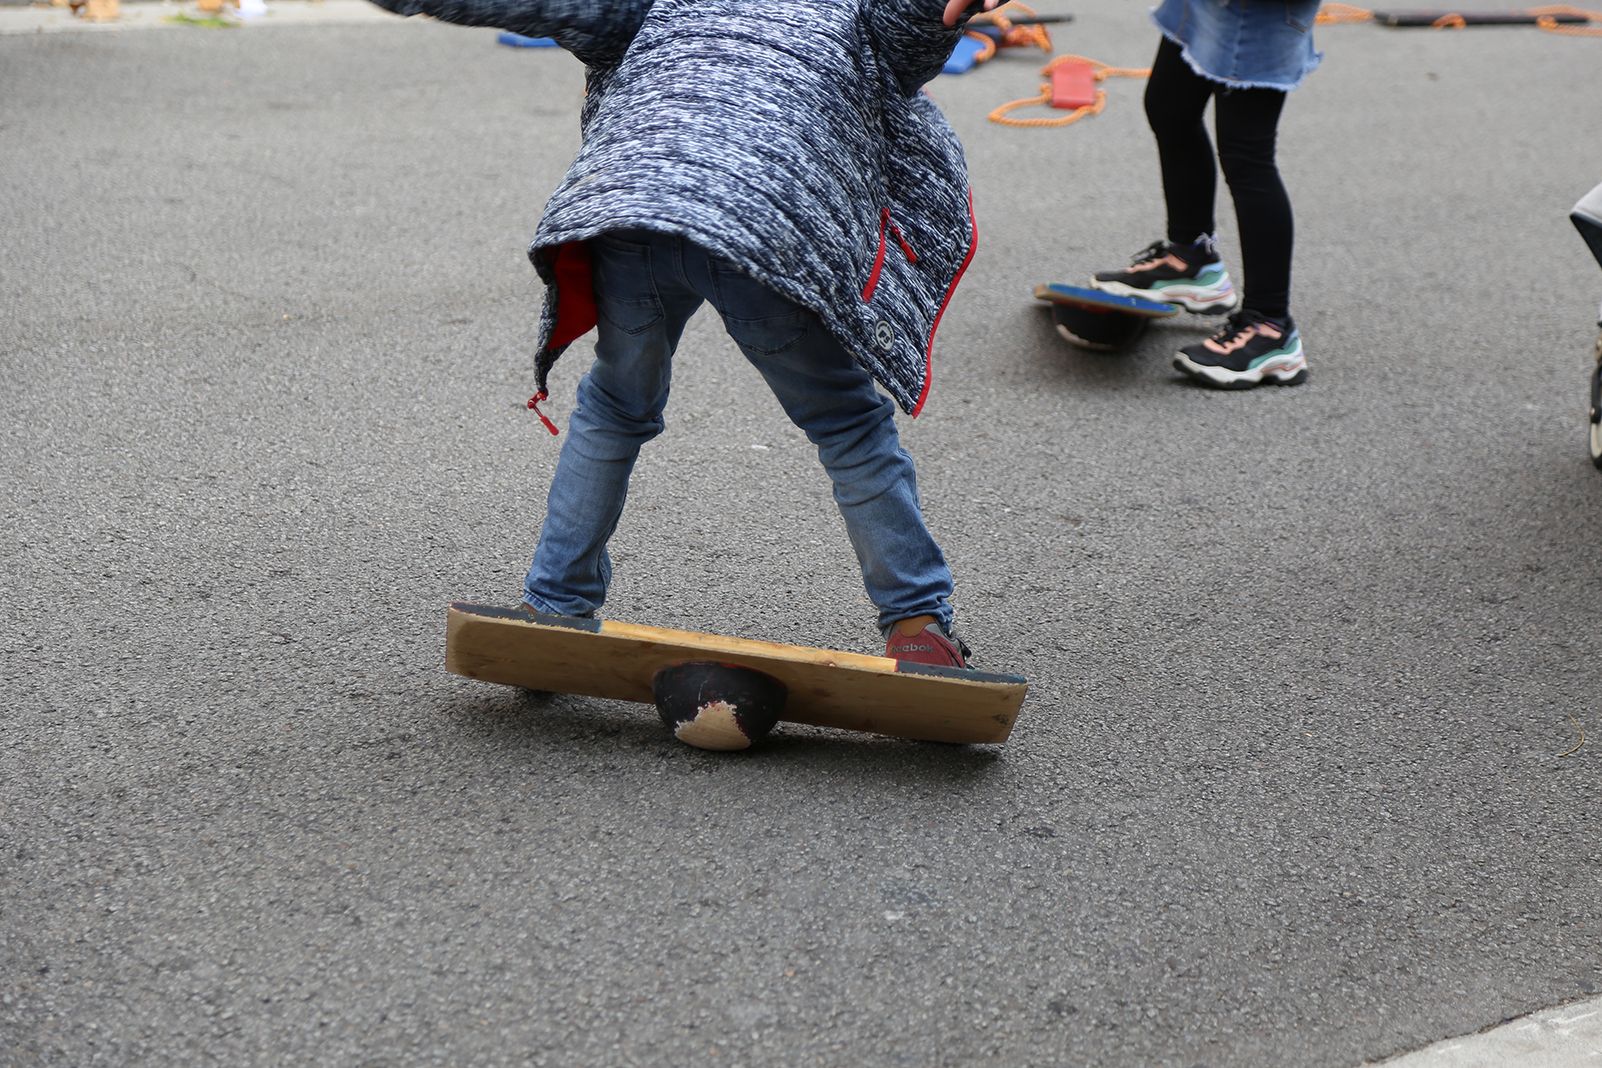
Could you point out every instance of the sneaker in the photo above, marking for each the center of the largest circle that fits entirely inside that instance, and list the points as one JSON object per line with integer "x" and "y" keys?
{"x": 1247, "y": 351}
{"x": 930, "y": 646}
{"x": 1192, "y": 277}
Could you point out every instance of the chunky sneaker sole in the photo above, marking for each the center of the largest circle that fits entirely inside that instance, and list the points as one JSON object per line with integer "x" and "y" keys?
{"x": 1285, "y": 366}
{"x": 1211, "y": 292}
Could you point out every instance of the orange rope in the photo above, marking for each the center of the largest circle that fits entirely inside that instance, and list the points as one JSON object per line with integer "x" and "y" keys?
{"x": 1330, "y": 14}
{"x": 1001, "y": 116}
{"x": 1545, "y": 18}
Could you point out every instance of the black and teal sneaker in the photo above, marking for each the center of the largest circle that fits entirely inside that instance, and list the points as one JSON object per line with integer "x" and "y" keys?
{"x": 1192, "y": 277}
{"x": 1249, "y": 350}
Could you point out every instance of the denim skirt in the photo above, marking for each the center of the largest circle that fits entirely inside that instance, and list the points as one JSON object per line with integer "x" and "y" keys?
{"x": 1249, "y": 44}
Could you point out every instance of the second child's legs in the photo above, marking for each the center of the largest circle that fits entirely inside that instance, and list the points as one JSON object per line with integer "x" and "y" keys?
{"x": 1248, "y": 124}
{"x": 1184, "y": 268}
{"x": 1176, "y": 101}
{"x": 1248, "y": 127}
{"x": 1259, "y": 343}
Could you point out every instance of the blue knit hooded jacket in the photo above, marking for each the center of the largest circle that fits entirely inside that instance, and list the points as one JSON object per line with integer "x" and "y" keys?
{"x": 788, "y": 136}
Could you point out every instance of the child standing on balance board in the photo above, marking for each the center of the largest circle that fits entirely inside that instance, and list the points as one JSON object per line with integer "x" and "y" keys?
{"x": 775, "y": 159}
{"x": 1245, "y": 56}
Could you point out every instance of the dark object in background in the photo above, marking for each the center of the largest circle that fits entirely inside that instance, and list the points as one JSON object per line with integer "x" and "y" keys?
{"x": 1420, "y": 19}
{"x": 1587, "y": 216}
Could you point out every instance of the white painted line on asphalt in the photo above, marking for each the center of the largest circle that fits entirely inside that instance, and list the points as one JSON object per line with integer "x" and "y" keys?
{"x": 1566, "y": 1037}
{"x": 146, "y": 16}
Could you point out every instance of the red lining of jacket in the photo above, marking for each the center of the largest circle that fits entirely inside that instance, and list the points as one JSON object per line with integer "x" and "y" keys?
{"x": 575, "y": 295}
{"x": 928, "y": 353}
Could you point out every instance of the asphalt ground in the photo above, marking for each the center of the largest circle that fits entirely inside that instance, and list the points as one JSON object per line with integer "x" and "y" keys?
{"x": 1300, "y": 780}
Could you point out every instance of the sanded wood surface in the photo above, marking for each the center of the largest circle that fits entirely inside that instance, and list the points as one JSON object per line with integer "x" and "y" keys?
{"x": 828, "y": 688}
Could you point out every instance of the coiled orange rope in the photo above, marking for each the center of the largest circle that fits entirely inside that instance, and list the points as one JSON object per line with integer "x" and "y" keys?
{"x": 1002, "y": 116}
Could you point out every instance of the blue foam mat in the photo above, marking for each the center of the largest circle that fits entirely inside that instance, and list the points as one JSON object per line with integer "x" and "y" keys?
{"x": 517, "y": 40}
{"x": 1084, "y": 296}
{"x": 964, "y": 56}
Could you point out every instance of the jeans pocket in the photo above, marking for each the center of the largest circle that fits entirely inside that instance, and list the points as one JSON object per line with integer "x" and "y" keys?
{"x": 625, "y": 286}
{"x": 757, "y": 318}
{"x": 770, "y": 334}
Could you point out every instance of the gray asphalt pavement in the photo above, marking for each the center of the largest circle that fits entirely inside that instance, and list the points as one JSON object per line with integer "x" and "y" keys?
{"x": 1297, "y": 782}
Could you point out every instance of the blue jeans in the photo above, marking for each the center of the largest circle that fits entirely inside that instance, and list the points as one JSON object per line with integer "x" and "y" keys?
{"x": 647, "y": 286}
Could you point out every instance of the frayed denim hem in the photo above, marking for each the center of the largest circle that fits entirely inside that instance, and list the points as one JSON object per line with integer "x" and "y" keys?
{"x": 539, "y": 607}
{"x": 1233, "y": 83}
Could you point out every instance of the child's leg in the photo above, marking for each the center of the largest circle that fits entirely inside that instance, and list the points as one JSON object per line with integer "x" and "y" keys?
{"x": 619, "y": 409}
{"x": 833, "y": 400}
{"x": 1176, "y": 99}
{"x": 1248, "y": 124}
{"x": 1260, "y": 343}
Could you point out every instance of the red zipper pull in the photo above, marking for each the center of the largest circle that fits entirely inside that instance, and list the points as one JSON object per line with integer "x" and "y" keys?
{"x": 912, "y": 257}
{"x": 534, "y": 404}
{"x": 878, "y": 257}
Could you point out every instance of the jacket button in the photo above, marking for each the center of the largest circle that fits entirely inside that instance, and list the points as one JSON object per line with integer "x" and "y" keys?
{"x": 884, "y": 334}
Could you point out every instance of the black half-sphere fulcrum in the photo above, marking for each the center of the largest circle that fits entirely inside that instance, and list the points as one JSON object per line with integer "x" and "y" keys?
{"x": 717, "y": 706}
{"x": 1095, "y": 319}
{"x": 1102, "y": 329}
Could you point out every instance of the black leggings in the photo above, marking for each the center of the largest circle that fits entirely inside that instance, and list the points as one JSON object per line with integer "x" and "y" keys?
{"x": 1247, "y": 121}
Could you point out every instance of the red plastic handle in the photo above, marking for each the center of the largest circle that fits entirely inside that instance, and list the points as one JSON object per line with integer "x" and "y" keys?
{"x": 1073, "y": 85}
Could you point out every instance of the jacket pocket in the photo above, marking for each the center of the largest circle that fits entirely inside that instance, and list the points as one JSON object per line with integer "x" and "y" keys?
{"x": 888, "y": 231}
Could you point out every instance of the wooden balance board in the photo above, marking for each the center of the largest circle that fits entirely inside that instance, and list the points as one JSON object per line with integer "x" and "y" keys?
{"x": 827, "y": 688}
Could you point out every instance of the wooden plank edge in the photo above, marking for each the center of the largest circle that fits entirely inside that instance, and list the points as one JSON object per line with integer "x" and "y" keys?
{"x": 715, "y": 645}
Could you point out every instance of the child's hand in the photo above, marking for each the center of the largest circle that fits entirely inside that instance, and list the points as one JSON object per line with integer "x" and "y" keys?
{"x": 955, "y": 8}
